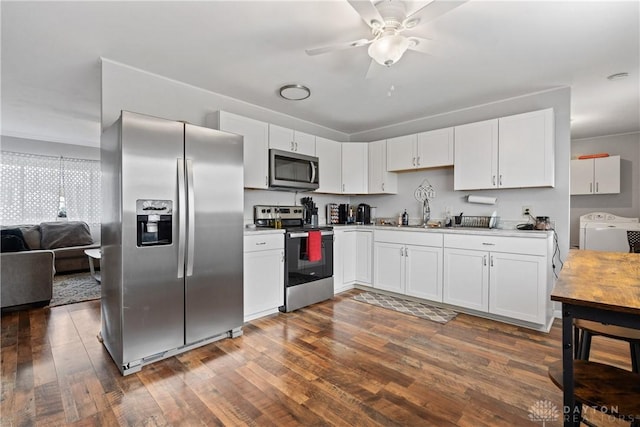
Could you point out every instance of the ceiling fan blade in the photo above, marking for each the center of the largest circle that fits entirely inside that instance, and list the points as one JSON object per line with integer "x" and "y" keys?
{"x": 368, "y": 12}
{"x": 337, "y": 46}
{"x": 420, "y": 44}
{"x": 431, "y": 11}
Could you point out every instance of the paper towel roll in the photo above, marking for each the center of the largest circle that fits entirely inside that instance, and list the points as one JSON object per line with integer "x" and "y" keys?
{"x": 481, "y": 199}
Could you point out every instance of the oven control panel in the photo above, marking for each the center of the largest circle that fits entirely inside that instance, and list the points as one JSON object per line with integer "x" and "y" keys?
{"x": 262, "y": 212}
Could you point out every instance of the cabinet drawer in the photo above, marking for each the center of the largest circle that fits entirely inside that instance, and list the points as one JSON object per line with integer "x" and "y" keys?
{"x": 516, "y": 245}
{"x": 420, "y": 238}
{"x": 263, "y": 243}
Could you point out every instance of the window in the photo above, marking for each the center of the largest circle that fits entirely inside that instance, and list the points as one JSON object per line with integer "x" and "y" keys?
{"x": 33, "y": 186}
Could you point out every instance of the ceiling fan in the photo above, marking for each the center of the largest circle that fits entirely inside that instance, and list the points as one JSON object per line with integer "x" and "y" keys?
{"x": 388, "y": 19}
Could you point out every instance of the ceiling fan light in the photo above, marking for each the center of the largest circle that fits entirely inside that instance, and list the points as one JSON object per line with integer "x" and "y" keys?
{"x": 389, "y": 49}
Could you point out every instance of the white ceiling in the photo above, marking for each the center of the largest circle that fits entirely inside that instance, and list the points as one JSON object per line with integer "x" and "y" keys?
{"x": 483, "y": 51}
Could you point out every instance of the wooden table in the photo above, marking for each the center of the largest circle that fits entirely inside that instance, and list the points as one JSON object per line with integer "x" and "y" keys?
{"x": 600, "y": 286}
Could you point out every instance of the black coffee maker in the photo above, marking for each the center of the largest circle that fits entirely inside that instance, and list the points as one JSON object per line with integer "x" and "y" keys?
{"x": 363, "y": 215}
{"x": 345, "y": 214}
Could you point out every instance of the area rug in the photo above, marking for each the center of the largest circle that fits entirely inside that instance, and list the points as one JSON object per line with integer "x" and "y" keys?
{"x": 71, "y": 288}
{"x": 418, "y": 309}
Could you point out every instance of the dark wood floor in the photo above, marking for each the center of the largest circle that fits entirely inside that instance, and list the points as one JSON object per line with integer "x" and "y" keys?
{"x": 340, "y": 362}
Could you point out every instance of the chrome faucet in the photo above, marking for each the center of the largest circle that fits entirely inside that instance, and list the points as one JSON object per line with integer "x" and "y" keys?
{"x": 426, "y": 212}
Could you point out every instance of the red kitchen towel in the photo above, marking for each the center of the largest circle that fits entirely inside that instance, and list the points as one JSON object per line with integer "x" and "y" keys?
{"x": 314, "y": 245}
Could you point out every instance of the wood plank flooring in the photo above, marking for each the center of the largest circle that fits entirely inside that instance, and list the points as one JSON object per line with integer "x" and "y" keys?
{"x": 340, "y": 362}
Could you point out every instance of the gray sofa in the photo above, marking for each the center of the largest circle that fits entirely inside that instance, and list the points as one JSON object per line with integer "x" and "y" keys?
{"x": 50, "y": 248}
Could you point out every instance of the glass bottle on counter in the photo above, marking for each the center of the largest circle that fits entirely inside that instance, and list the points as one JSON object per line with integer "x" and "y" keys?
{"x": 405, "y": 218}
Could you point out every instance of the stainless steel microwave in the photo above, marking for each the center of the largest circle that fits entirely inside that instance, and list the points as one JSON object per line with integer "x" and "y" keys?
{"x": 292, "y": 171}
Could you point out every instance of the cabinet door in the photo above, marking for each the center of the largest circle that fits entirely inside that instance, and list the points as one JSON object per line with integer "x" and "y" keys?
{"x": 424, "y": 272}
{"x": 256, "y": 147}
{"x": 355, "y": 166}
{"x": 476, "y": 156}
{"x": 329, "y": 155}
{"x": 338, "y": 261}
{"x": 364, "y": 254}
{"x": 435, "y": 148}
{"x": 401, "y": 153}
{"x": 517, "y": 286}
{"x": 281, "y": 138}
{"x": 606, "y": 175}
{"x": 388, "y": 264}
{"x": 526, "y": 150}
{"x": 304, "y": 143}
{"x": 349, "y": 259}
{"x": 582, "y": 176}
{"x": 380, "y": 181}
{"x": 263, "y": 283}
{"x": 466, "y": 278}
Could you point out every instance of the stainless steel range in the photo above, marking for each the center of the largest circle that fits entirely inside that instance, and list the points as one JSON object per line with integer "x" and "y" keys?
{"x": 309, "y": 270}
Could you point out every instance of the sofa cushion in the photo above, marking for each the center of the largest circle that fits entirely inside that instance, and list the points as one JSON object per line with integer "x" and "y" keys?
{"x": 64, "y": 234}
{"x": 31, "y": 234}
{"x": 12, "y": 240}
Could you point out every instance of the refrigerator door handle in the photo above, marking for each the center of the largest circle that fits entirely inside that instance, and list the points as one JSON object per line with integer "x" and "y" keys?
{"x": 182, "y": 225}
{"x": 191, "y": 224}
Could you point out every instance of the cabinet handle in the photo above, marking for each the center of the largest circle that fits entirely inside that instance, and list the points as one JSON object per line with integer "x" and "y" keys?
{"x": 406, "y": 252}
{"x": 383, "y": 186}
{"x": 484, "y": 260}
{"x": 493, "y": 180}
{"x": 292, "y": 147}
{"x": 591, "y": 187}
{"x": 491, "y": 260}
{"x": 296, "y": 146}
{"x": 343, "y": 190}
{"x": 488, "y": 244}
{"x": 266, "y": 180}
{"x": 500, "y": 180}
{"x": 418, "y": 160}
{"x": 414, "y": 161}
{"x": 261, "y": 243}
{"x": 282, "y": 256}
{"x": 597, "y": 187}
{"x": 401, "y": 251}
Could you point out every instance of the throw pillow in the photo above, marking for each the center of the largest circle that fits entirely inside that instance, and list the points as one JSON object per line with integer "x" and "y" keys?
{"x": 31, "y": 234}
{"x": 12, "y": 240}
{"x": 65, "y": 234}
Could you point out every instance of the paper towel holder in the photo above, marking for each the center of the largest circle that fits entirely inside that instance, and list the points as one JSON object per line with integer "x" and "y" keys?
{"x": 481, "y": 199}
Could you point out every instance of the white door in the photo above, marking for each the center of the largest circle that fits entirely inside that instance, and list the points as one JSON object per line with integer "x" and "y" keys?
{"x": 476, "y": 156}
{"x": 263, "y": 282}
{"x": 582, "y": 176}
{"x": 424, "y": 272}
{"x": 256, "y": 147}
{"x": 606, "y": 172}
{"x": 380, "y": 181}
{"x": 364, "y": 254}
{"x": 329, "y": 155}
{"x": 349, "y": 263}
{"x": 435, "y": 148}
{"x": 281, "y": 138}
{"x": 526, "y": 150}
{"x": 304, "y": 143}
{"x": 466, "y": 278}
{"x": 355, "y": 167}
{"x": 388, "y": 264}
{"x": 517, "y": 286}
{"x": 401, "y": 153}
{"x": 338, "y": 261}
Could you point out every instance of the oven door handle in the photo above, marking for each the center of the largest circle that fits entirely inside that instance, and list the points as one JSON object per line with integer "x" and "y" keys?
{"x": 297, "y": 235}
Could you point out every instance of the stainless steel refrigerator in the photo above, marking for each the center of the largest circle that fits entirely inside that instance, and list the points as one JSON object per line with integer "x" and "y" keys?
{"x": 172, "y": 202}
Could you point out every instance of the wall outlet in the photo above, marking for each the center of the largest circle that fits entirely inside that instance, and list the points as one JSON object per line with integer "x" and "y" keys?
{"x": 526, "y": 211}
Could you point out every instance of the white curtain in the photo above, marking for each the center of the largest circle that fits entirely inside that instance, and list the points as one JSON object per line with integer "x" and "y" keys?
{"x": 31, "y": 186}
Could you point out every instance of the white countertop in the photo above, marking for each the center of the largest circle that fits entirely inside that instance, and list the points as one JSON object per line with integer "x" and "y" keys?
{"x": 506, "y": 232}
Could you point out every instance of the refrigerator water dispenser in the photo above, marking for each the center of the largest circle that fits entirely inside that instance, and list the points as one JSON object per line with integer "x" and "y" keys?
{"x": 154, "y": 222}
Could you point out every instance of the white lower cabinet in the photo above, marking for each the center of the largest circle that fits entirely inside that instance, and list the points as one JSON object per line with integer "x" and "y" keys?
{"x": 408, "y": 263}
{"x": 352, "y": 258}
{"x": 511, "y": 279}
{"x": 263, "y": 275}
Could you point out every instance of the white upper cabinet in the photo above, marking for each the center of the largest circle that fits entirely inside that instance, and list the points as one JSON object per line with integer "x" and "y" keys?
{"x": 287, "y": 139}
{"x": 418, "y": 151}
{"x": 355, "y": 167}
{"x": 509, "y": 152}
{"x": 256, "y": 146}
{"x": 380, "y": 181}
{"x": 595, "y": 176}
{"x": 329, "y": 155}
{"x": 476, "y": 156}
{"x": 435, "y": 148}
{"x": 401, "y": 153}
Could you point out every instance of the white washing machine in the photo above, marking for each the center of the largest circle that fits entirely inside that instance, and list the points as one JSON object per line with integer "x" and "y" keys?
{"x": 601, "y": 231}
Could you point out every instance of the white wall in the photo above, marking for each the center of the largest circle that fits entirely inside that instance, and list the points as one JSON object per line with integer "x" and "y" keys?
{"x": 627, "y": 203}
{"x": 552, "y": 202}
